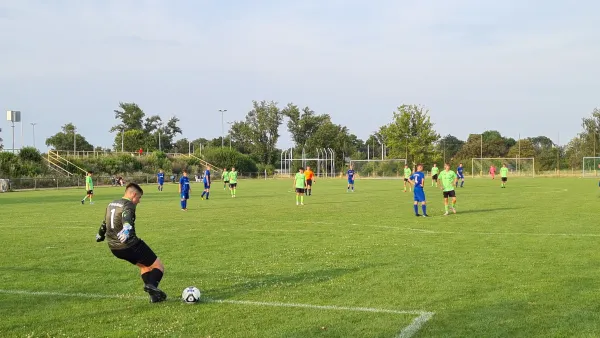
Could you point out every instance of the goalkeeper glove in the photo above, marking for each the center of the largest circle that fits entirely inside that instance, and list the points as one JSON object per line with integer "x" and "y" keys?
{"x": 123, "y": 235}
{"x": 101, "y": 233}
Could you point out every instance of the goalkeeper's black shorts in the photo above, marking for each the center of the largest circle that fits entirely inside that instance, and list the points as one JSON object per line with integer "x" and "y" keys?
{"x": 139, "y": 253}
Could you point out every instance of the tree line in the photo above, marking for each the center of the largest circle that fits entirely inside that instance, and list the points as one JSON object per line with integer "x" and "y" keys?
{"x": 410, "y": 134}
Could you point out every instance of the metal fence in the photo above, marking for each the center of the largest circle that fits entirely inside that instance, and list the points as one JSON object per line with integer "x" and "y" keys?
{"x": 59, "y": 182}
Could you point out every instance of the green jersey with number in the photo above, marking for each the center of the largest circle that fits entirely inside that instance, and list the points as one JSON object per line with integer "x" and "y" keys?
{"x": 448, "y": 178}
{"x": 435, "y": 171}
{"x": 300, "y": 181}
{"x": 89, "y": 183}
{"x": 119, "y": 213}
{"x": 503, "y": 172}
{"x": 225, "y": 176}
{"x": 233, "y": 176}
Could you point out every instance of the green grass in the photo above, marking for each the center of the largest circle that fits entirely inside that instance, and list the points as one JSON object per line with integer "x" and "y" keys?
{"x": 517, "y": 262}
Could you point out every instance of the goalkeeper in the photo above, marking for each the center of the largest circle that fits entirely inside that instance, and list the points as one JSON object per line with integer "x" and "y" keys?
{"x": 119, "y": 227}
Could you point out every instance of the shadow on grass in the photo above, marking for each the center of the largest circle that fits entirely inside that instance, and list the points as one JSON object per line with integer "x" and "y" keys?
{"x": 284, "y": 281}
{"x": 475, "y": 211}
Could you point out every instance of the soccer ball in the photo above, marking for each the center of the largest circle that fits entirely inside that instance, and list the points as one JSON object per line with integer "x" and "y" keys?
{"x": 190, "y": 295}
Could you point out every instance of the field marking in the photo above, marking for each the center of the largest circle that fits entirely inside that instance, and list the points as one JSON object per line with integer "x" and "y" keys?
{"x": 406, "y": 332}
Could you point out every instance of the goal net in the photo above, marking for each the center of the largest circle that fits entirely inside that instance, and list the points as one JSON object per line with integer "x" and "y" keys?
{"x": 590, "y": 167}
{"x": 524, "y": 167}
{"x": 392, "y": 168}
{"x": 4, "y": 185}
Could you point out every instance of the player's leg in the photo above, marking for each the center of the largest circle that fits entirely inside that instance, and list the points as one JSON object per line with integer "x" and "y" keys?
{"x": 453, "y": 202}
{"x": 416, "y": 208}
{"x": 445, "y": 205}
{"x": 462, "y": 182}
{"x": 302, "y": 196}
{"x": 183, "y": 201}
{"x": 424, "y": 208}
{"x": 297, "y": 197}
{"x": 90, "y": 196}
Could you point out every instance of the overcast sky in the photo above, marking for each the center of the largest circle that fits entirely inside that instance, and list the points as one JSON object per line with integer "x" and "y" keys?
{"x": 528, "y": 67}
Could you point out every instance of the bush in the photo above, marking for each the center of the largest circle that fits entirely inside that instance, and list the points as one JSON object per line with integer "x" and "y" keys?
{"x": 30, "y": 154}
{"x": 227, "y": 158}
{"x": 268, "y": 167}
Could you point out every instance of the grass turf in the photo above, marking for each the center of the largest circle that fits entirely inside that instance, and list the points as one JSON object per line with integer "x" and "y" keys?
{"x": 515, "y": 262}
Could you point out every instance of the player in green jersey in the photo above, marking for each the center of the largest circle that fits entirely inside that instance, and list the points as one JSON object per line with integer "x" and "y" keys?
{"x": 504, "y": 175}
{"x": 89, "y": 187}
{"x": 225, "y": 177}
{"x": 118, "y": 227}
{"x": 407, "y": 173}
{"x": 435, "y": 171}
{"x": 233, "y": 175}
{"x": 449, "y": 180}
{"x": 300, "y": 186}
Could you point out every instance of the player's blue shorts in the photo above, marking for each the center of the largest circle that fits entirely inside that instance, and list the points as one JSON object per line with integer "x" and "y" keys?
{"x": 206, "y": 185}
{"x": 350, "y": 181}
{"x": 419, "y": 195}
{"x": 461, "y": 176}
{"x": 185, "y": 195}
{"x": 161, "y": 182}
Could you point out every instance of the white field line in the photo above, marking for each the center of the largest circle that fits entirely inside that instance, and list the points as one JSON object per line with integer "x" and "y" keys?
{"x": 406, "y": 332}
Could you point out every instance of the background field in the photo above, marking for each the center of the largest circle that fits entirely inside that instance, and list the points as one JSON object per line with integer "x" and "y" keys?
{"x": 521, "y": 261}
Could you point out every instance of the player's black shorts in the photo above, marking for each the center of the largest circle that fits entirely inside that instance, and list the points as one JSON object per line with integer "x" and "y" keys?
{"x": 90, "y": 192}
{"x": 434, "y": 177}
{"x": 504, "y": 179}
{"x": 300, "y": 190}
{"x": 406, "y": 180}
{"x": 226, "y": 182}
{"x": 449, "y": 194}
{"x": 308, "y": 182}
{"x": 233, "y": 185}
{"x": 139, "y": 253}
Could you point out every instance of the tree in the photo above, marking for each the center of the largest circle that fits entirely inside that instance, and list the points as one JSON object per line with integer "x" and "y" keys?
{"x": 335, "y": 137}
{"x": 411, "y": 135}
{"x": 448, "y": 146}
{"x": 258, "y": 134}
{"x": 303, "y": 124}
{"x": 181, "y": 146}
{"x": 68, "y": 139}
{"x": 523, "y": 149}
{"x": 131, "y": 116}
{"x": 589, "y": 141}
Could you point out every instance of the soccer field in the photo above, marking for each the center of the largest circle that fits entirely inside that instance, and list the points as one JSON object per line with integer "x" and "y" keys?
{"x": 517, "y": 262}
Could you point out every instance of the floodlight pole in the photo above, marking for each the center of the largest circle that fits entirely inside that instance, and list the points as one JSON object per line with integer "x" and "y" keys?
{"x": 74, "y": 140}
{"x": 33, "y": 127}
{"x": 159, "y": 136}
{"x": 222, "y": 126}
{"x": 122, "y": 140}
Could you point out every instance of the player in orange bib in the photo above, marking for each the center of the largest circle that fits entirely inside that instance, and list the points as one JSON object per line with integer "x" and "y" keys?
{"x": 310, "y": 178}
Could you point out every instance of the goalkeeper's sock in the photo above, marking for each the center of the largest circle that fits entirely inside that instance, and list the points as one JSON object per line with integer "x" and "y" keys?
{"x": 424, "y": 207}
{"x": 145, "y": 277}
{"x": 208, "y": 193}
{"x": 154, "y": 277}
{"x": 416, "y": 207}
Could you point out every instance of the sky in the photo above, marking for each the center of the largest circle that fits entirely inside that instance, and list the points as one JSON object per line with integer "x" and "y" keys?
{"x": 520, "y": 67}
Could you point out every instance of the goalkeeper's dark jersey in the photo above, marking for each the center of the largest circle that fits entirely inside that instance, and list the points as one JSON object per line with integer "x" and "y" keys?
{"x": 118, "y": 213}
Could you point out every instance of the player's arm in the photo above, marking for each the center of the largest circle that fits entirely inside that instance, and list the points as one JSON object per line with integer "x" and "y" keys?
{"x": 128, "y": 218}
{"x": 101, "y": 235}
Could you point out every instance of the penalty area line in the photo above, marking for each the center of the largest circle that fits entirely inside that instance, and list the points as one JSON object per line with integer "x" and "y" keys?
{"x": 406, "y": 332}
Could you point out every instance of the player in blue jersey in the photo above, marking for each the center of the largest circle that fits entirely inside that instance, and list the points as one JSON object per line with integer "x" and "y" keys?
{"x": 417, "y": 180}
{"x": 160, "y": 179}
{"x": 206, "y": 181}
{"x": 350, "y": 173}
{"x": 461, "y": 175}
{"x": 184, "y": 190}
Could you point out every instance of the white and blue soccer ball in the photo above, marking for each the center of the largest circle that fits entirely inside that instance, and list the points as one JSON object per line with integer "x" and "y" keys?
{"x": 191, "y": 295}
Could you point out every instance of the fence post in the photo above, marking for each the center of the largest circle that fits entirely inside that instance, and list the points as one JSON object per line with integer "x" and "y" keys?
{"x": 35, "y": 184}
{"x": 56, "y": 183}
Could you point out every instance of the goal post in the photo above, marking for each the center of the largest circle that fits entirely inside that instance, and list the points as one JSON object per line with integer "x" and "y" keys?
{"x": 390, "y": 168}
{"x": 524, "y": 167}
{"x": 590, "y": 167}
